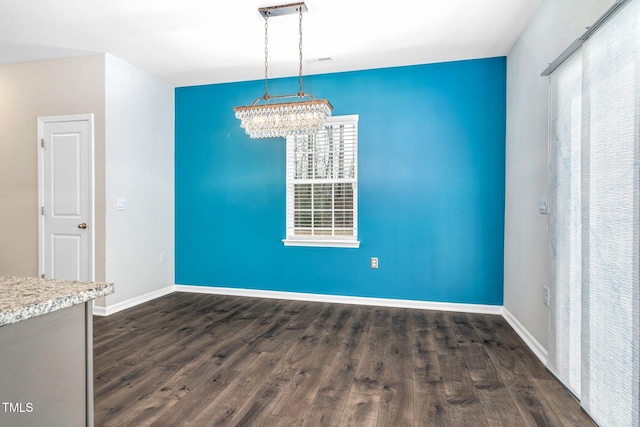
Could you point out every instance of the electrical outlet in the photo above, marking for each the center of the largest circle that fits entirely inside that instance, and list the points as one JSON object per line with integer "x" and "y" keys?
{"x": 163, "y": 256}
{"x": 543, "y": 206}
{"x": 374, "y": 262}
{"x": 546, "y": 295}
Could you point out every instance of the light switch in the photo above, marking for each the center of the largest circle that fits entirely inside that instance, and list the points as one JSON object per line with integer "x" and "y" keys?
{"x": 121, "y": 204}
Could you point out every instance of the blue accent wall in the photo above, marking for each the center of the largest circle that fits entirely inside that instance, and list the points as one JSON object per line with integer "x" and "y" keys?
{"x": 431, "y": 187}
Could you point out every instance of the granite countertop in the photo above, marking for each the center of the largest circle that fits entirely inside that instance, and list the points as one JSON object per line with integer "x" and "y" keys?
{"x": 22, "y": 298}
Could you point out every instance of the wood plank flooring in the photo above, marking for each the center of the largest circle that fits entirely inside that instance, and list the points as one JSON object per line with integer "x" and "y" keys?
{"x": 207, "y": 360}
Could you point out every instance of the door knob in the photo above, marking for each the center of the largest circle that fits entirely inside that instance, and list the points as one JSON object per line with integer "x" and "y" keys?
{"x": 83, "y": 225}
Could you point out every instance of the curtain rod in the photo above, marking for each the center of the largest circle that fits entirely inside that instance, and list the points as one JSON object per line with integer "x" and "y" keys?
{"x": 584, "y": 37}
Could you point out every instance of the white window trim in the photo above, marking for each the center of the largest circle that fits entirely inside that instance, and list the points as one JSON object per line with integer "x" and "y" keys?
{"x": 321, "y": 243}
{"x": 327, "y": 241}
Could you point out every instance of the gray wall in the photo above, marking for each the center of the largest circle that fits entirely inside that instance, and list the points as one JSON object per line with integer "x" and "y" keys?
{"x": 133, "y": 113}
{"x": 28, "y": 90}
{"x": 556, "y": 24}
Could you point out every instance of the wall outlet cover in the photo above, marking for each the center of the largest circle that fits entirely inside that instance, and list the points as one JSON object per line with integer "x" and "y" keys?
{"x": 546, "y": 295}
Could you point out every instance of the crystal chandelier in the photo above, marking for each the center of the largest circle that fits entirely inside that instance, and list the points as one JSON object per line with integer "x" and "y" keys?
{"x": 306, "y": 115}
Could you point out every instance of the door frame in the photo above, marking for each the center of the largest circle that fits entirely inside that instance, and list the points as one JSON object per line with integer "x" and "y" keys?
{"x": 42, "y": 121}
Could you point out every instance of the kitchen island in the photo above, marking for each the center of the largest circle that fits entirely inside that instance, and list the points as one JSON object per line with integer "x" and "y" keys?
{"x": 46, "y": 351}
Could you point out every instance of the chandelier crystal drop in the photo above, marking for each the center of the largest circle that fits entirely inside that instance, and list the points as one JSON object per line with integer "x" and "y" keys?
{"x": 282, "y": 119}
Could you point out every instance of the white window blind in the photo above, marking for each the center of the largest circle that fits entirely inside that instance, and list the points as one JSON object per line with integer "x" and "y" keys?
{"x": 595, "y": 223}
{"x": 322, "y": 186}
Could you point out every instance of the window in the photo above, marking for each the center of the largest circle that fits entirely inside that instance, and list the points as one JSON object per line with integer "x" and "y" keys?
{"x": 322, "y": 186}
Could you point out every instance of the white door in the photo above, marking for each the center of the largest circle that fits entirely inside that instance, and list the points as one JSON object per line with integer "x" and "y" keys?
{"x": 65, "y": 187}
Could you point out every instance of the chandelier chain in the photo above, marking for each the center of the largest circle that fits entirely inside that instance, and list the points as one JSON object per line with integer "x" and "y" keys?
{"x": 300, "y": 49}
{"x": 281, "y": 119}
{"x": 266, "y": 56}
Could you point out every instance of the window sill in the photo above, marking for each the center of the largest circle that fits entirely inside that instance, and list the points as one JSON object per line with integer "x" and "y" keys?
{"x": 319, "y": 243}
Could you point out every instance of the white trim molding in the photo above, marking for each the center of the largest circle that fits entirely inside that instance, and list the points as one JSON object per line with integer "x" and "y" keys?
{"x": 537, "y": 348}
{"x": 112, "y": 309}
{"x": 320, "y": 243}
{"x": 99, "y": 311}
{"x": 341, "y": 299}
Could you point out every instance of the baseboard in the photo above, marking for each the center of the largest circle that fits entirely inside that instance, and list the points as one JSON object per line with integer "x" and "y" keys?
{"x": 111, "y": 309}
{"x": 99, "y": 311}
{"x": 532, "y": 343}
{"x": 340, "y": 299}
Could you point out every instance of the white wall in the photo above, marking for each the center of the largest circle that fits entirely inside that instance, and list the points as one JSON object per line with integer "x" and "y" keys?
{"x": 139, "y": 147}
{"x": 555, "y": 26}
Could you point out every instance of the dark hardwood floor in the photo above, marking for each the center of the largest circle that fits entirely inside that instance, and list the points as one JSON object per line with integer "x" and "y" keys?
{"x": 206, "y": 360}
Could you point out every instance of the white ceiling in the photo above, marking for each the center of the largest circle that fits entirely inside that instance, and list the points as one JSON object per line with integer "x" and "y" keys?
{"x": 191, "y": 42}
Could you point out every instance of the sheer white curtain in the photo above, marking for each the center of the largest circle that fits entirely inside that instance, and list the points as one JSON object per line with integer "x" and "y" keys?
{"x": 595, "y": 221}
{"x": 566, "y": 225}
